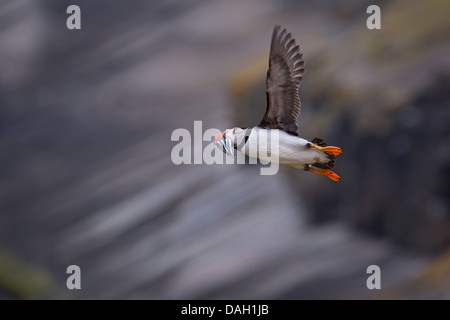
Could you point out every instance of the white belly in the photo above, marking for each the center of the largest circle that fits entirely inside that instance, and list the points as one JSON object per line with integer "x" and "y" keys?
{"x": 278, "y": 146}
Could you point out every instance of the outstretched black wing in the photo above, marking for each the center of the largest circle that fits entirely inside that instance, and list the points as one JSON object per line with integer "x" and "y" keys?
{"x": 285, "y": 73}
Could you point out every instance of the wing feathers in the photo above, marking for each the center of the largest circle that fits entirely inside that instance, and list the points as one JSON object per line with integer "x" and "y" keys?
{"x": 285, "y": 73}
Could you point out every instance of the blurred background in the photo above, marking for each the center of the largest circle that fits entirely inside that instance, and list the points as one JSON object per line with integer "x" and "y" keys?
{"x": 86, "y": 177}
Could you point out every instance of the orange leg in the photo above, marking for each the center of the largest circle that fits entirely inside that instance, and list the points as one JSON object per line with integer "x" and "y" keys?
{"x": 324, "y": 172}
{"x": 333, "y": 151}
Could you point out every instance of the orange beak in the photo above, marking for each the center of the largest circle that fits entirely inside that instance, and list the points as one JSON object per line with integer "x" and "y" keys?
{"x": 219, "y": 136}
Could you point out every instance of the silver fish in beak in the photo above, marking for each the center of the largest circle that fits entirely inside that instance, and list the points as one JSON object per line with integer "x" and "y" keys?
{"x": 224, "y": 143}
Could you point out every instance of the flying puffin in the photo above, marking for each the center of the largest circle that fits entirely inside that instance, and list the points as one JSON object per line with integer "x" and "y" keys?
{"x": 286, "y": 67}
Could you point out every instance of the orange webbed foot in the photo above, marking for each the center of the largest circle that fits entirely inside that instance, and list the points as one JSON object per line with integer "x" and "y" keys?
{"x": 331, "y": 150}
{"x": 324, "y": 172}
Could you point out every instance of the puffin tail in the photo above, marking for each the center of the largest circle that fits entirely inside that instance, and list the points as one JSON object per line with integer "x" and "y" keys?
{"x": 325, "y": 167}
{"x": 330, "y": 151}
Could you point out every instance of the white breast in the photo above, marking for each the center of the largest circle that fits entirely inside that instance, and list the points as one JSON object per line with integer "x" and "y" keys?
{"x": 278, "y": 146}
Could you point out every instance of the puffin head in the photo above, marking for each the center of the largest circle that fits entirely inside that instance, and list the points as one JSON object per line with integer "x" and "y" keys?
{"x": 230, "y": 139}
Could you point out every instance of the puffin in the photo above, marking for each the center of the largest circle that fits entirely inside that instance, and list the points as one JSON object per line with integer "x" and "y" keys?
{"x": 286, "y": 69}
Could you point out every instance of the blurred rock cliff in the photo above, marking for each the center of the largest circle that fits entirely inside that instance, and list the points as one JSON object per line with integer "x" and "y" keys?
{"x": 86, "y": 174}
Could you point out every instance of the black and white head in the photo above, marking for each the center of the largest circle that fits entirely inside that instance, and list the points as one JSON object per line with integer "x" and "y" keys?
{"x": 231, "y": 139}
